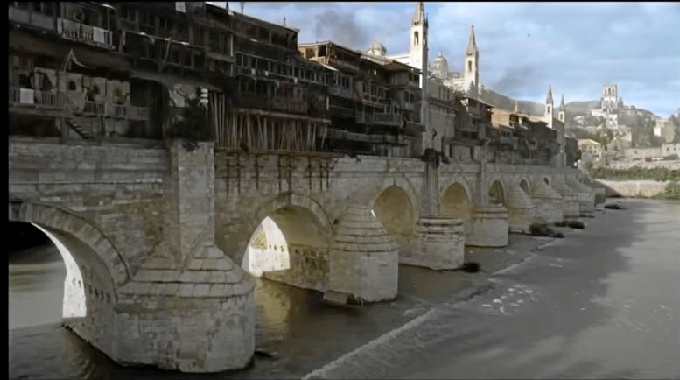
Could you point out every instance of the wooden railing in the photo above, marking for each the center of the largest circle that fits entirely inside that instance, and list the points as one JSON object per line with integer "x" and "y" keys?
{"x": 30, "y": 97}
{"x": 508, "y": 140}
{"x": 94, "y": 108}
{"x": 387, "y": 118}
{"x": 293, "y": 105}
{"x": 31, "y": 18}
{"x": 86, "y": 33}
{"x": 116, "y": 110}
{"x": 340, "y": 91}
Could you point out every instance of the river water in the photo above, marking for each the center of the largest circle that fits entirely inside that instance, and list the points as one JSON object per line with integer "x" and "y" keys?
{"x": 603, "y": 302}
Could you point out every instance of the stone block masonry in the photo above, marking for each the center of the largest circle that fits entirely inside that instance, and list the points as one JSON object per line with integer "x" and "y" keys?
{"x": 154, "y": 237}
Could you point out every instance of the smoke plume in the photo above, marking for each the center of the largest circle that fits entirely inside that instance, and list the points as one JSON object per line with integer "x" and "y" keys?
{"x": 516, "y": 79}
{"x": 340, "y": 27}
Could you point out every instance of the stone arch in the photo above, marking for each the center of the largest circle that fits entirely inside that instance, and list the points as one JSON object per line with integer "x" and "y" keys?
{"x": 288, "y": 240}
{"x": 456, "y": 200}
{"x": 497, "y": 192}
{"x": 95, "y": 269}
{"x": 294, "y": 201}
{"x": 402, "y": 183}
{"x": 524, "y": 185}
{"x": 60, "y": 221}
{"x": 394, "y": 207}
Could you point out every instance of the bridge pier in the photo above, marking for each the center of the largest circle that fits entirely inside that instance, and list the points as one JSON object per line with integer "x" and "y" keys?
{"x": 520, "y": 210}
{"x": 364, "y": 259}
{"x": 549, "y": 205}
{"x": 489, "y": 227}
{"x": 197, "y": 319}
{"x": 569, "y": 197}
{"x": 585, "y": 196}
{"x": 439, "y": 245}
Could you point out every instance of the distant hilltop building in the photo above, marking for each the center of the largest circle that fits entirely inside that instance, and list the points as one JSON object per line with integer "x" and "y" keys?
{"x": 611, "y": 104}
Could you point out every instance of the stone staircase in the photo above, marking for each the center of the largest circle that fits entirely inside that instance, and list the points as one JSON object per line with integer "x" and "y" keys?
{"x": 79, "y": 129}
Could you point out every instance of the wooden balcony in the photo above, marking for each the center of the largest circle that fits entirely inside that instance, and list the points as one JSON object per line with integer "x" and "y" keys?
{"x": 36, "y": 19}
{"x": 364, "y": 117}
{"x": 341, "y": 112}
{"x": 27, "y": 97}
{"x": 292, "y": 105}
{"x": 388, "y": 119}
{"x": 508, "y": 140}
{"x": 340, "y": 91}
{"x": 94, "y": 108}
{"x": 91, "y": 35}
{"x": 125, "y": 111}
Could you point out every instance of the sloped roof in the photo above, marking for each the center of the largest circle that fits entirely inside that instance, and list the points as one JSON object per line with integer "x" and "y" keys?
{"x": 587, "y": 142}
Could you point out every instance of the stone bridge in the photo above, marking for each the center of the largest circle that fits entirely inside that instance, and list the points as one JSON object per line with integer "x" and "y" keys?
{"x": 154, "y": 238}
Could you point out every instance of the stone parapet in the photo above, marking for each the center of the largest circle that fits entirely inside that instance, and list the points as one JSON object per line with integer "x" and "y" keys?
{"x": 440, "y": 244}
{"x": 364, "y": 258}
{"x": 489, "y": 227}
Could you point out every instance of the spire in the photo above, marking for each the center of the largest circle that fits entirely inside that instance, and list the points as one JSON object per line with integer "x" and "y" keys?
{"x": 419, "y": 16}
{"x": 516, "y": 106}
{"x": 472, "y": 43}
{"x": 549, "y": 99}
{"x": 562, "y": 103}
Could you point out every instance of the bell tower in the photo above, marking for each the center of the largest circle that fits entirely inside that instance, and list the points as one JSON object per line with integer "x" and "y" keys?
{"x": 472, "y": 65}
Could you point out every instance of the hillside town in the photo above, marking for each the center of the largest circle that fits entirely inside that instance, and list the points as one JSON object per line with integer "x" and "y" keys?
{"x": 620, "y": 136}
{"x": 139, "y": 71}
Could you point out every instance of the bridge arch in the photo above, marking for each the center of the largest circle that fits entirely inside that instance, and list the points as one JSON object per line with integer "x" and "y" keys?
{"x": 395, "y": 207}
{"x": 524, "y": 185}
{"x": 60, "y": 222}
{"x": 95, "y": 269}
{"x": 456, "y": 201}
{"x": 288, "y": 240}
{"x": 497, "y": 192}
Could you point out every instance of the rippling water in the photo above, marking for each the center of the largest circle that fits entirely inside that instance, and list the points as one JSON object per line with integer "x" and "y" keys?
{"x": 602, "y": 303}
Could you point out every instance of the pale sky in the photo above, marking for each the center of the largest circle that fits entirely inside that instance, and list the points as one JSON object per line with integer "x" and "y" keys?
{"x": 524, "y": 47}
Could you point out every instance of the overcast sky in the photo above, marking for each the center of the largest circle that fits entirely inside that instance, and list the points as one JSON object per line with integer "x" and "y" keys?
{"x": 524, "y": 47}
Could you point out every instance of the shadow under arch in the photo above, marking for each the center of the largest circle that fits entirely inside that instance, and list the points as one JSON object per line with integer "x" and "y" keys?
{"x": 94, "y": 270}
{"x": 395, "y": 211}
{"x": 456, "y": 202}
{"x": 497, "y": 193}
{"x": 524, "y": 185}
{"x": 290, "y": 243}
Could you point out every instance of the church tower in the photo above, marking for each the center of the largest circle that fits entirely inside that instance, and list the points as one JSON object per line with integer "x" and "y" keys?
{"x": 418, "y": 49}
{"x": 472, "y": 64}
{"x": 561, "y": 112}
{"x": 549, "y": 111}
{"x": 418, "y": 53}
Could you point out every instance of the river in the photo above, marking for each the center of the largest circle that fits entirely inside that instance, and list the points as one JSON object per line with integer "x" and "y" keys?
{"x": 603, "y": 302}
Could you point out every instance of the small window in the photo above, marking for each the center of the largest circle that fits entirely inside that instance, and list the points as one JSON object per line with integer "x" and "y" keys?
{"x": 71, "y": 85}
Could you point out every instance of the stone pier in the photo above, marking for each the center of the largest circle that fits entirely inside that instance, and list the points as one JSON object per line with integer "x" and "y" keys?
{"x": 549, "y": 205}
{"x": 364, "y": 259}
{"x": 440, "y": 244}
{"x": 489, "y": 227}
